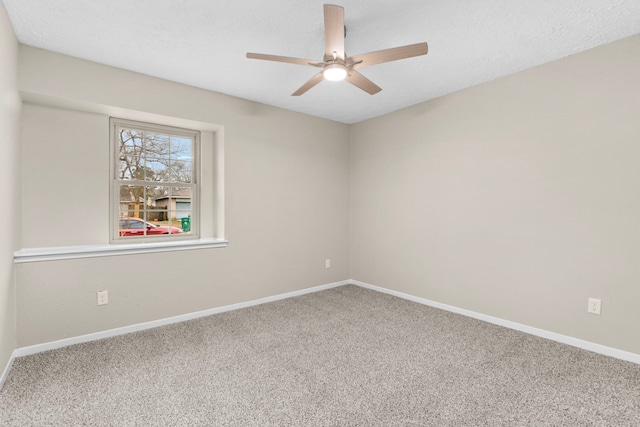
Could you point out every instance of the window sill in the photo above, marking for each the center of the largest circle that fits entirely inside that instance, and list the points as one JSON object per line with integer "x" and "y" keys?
{"x": 92, "y": 251}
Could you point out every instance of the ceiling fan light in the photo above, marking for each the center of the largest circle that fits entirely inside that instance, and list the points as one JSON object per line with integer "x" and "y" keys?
{"x": 335, "y": 72}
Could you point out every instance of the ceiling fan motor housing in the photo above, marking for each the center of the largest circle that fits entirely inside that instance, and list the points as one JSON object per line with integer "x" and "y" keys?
{"x": 335, "y": 71}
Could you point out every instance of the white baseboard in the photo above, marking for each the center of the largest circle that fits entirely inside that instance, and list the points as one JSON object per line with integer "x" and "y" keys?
{"x": 564, "y": 339}
{"x": 7, "y": 368}
{"x": 52, "y": 345}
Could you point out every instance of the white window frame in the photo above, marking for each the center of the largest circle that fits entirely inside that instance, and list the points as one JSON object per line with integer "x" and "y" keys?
{"x": 115, "y": 182}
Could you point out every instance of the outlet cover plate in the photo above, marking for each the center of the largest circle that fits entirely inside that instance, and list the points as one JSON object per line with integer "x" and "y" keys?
{"x": 103, "y": 297}
{"x": 594, "y": 306}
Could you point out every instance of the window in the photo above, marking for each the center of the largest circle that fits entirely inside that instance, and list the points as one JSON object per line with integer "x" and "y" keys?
{"x": 154, "y": 182}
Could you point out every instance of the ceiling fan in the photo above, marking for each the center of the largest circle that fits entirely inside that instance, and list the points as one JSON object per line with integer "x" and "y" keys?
{"x": 335, "y": 64}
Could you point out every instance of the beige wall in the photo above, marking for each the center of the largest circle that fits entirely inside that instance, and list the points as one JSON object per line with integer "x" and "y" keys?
{"x": 519, "y": 198}
{"x": 286, "y": 195}
{"x": 9, "y": 143}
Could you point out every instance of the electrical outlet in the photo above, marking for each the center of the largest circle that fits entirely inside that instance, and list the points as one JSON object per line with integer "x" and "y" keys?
{"x": 103, "y": 297}
{"x": 594, "y": 306}
{"x": 327, "y": 263}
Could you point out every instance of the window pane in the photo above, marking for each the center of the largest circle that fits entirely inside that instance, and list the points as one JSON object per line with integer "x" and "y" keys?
{"x": 131, "y": 197}
{"x": 156, "y": 170}
{"x": 181, "y": 171}
{"x": 157, "y": 206}
{"x": 157, "y": 145}
{"x": 130, "y": 142}
{"x": 160, "y": 199}
{"x": 181, "y": 195}
{"x": 130, "y": 225}
{"x": 153, "y": 192}
{"x": 181, "y": 148}
{"x": 128, "y": 167}
{"x": 169, "y": 199}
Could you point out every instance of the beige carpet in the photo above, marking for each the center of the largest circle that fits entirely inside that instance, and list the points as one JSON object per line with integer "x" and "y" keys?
{"x": 342, "y": 357}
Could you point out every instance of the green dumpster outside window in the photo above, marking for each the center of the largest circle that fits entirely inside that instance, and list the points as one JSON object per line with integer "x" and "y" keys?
{"x": 186, "y": 224}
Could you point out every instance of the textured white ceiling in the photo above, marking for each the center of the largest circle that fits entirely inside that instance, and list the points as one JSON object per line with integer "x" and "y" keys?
{"x": 203, "y": 43}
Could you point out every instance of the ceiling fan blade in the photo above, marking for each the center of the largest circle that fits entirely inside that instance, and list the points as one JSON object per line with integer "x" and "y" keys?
{"x": 388, "y": 55}
{"x": 360, "y": 81}
{"x": 333, "y": 31}
{"x": 309, "y": 84}
{"x": 299, "y": 61}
